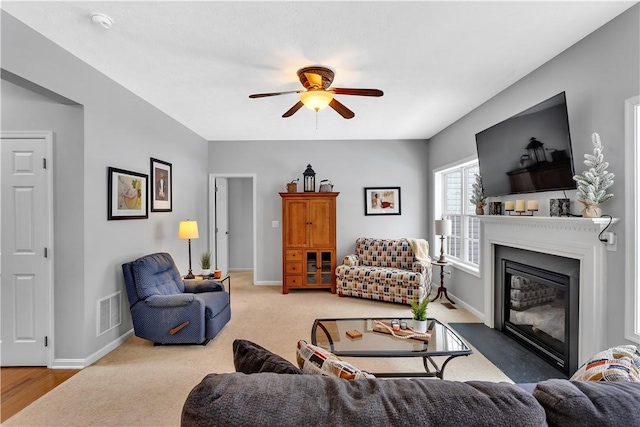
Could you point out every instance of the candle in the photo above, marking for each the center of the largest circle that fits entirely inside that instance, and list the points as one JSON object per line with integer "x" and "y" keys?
{"x": 532, "y": 205}
{"x": 519, "y": 205}
{"x": 508, "y": 206}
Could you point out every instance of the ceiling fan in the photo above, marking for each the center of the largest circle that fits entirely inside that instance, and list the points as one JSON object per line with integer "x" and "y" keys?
{"x": 318, "y": 93}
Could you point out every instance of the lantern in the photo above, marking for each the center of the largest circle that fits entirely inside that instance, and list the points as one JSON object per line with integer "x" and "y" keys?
{"x": 309, "y": 180}
{"x": 536, "y": 151}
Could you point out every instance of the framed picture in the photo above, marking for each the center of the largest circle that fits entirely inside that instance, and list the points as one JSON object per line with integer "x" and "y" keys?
{"x": 161, "y": 186}
{"x": 382, "y": 201}
{"x": 127, "y": 194}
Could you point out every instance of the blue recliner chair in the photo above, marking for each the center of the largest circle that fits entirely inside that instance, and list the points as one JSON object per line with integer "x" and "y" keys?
{"x": 166, "y": 310}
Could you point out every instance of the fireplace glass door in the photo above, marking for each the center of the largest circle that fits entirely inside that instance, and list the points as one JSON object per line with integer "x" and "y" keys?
{"x": 536, "y": 306}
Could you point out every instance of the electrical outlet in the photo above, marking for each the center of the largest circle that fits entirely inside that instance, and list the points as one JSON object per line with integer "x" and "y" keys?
{"x": 275, "y": 224}
{"x": 611, "y": 241}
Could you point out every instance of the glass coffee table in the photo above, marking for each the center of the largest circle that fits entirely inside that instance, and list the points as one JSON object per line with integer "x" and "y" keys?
{"x": 361, "y": 337}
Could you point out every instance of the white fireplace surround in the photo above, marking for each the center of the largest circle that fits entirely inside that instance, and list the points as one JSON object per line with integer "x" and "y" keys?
{"x": 568, "y": 237}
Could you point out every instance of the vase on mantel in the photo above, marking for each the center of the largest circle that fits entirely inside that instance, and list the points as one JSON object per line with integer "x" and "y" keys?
{"x": 591, "y": 209}
{"x": 479, "y": 209}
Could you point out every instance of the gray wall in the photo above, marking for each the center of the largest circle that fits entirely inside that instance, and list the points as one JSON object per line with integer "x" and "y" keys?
{"x": 68, "y": 153}
{"x": 598, "y": 74}
{"x": 351, "y": 166}
{"x": 120, "y": 130}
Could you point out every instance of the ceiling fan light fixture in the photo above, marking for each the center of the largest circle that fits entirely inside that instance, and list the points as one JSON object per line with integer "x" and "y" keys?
{"x": 316, "y": 100}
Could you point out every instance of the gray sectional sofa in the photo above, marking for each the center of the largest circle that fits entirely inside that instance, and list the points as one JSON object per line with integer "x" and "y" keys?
{"x": 268, "y": 390}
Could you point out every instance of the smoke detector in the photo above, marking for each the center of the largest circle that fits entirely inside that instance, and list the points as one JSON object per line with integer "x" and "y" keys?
{"x": 100, "y": 18}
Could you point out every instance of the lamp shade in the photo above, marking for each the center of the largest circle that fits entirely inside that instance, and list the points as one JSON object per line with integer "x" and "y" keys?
{"x": 443, "y": 227}
{"x": 188, "y": 230}
{"x": 316, "y": 99}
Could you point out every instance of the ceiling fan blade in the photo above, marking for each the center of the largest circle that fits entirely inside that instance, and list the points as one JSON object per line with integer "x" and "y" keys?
{"x": 341, "y": 109}
{"x": 291, "y": 111}
{"x": 262, "y": 95}
{"x": 359, "y": 92}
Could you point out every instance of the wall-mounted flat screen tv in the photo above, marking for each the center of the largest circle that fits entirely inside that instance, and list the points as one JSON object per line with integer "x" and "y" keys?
{"x": 529, "y": 152}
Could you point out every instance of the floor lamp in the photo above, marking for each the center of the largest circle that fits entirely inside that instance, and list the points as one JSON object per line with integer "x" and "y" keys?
{"x": 443, "y": 228}
{"x": 188, "y": 230}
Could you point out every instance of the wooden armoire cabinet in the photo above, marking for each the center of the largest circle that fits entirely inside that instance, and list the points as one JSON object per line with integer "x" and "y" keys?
{"x": 308, "y": 241}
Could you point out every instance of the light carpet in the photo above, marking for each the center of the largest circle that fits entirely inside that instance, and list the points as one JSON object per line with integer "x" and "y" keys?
{"x": 142, "y": 385}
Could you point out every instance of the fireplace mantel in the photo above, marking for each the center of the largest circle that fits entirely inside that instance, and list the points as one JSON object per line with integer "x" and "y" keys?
{"x": 568, "y": 237}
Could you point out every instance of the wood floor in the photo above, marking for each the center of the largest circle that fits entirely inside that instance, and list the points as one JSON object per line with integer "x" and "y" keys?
{"x": 21, "y": 386}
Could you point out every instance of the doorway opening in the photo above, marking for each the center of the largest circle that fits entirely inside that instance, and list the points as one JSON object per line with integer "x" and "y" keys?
{"x": 233, "y": 221}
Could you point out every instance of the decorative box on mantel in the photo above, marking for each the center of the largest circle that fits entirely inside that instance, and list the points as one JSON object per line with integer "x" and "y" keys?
{"x": 567, "y": 237}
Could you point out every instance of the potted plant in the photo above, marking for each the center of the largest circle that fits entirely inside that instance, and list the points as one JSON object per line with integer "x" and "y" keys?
{"x": 205, "y": 264}
{"x": 419, "y": 311}
{"x": 593, "y": 183}
{"x": 477, "y": 196}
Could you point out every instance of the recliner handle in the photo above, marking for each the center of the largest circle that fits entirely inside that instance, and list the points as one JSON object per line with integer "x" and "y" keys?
{"x": 178, "y": 328}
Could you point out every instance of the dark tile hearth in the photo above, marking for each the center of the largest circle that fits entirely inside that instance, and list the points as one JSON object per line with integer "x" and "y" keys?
{"x": 512, "y": 358}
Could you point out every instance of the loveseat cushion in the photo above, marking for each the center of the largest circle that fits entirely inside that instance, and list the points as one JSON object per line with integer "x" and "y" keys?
{"x": 250, "y": 358}
{"x": 385, "y": 253}
{"x": 294, "y": 400}
{"x": 384, "y": 275}
{"x": 589, "y": 403}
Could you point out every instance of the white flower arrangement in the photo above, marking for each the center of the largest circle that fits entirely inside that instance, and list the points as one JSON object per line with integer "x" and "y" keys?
{"x": 477, "y": 196}
{"x": 593, "y": 183}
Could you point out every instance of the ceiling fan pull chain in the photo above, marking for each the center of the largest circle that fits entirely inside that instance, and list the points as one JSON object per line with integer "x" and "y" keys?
{"x": 316, "y": 119}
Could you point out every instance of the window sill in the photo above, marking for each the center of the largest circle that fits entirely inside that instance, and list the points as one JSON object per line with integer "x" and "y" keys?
{"x": 474, "y": 271}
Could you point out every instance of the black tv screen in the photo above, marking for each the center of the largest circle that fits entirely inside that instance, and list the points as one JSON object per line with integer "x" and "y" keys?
{"x": 529, "y": 152}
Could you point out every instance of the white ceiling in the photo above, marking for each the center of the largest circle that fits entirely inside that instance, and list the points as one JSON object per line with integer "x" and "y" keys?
{"x": 198, "y": 61}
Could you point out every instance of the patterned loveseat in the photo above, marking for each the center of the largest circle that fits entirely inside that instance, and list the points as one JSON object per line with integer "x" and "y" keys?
{"x": 386, "y": 270}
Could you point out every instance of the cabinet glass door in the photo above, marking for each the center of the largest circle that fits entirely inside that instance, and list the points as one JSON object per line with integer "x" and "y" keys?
{"x": 325, "y": 267}
{"x": 312, "y": 267}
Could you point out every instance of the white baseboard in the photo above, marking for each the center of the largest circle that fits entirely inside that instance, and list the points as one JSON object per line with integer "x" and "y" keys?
{"x": 268, "y": 283}
{"x": 83, "y": 363}
{"x": 460, "y": 303}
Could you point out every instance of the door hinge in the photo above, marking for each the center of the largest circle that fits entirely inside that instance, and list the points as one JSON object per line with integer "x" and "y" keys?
{"x": 46, "y": 341}
{"x": 216, "y": 189}
{"x": 44, "y": 163}
{"x": 46, "y": 252}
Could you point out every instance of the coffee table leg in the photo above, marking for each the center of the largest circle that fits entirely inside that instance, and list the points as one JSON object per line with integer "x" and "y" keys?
{"x": 426, "y": 361}
{"x": 327, "y": 334}
{"x": 438, "y": 371}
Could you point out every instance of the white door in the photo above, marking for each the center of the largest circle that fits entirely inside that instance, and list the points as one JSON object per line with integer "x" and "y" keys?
{"x": 26, "y": 255}
{"x": 222, "y": 225}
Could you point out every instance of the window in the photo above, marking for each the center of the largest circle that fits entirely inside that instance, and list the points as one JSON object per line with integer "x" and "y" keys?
{"x": 453, "y": 191}
{"x": 632, "y": 224}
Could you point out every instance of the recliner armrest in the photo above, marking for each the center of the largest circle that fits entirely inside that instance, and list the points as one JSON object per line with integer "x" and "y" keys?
{"x": 199, "y": 286}
{"x": 175, "y": 300}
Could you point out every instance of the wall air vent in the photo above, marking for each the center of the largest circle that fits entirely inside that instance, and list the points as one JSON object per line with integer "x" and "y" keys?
{"x": 109, "y": 313}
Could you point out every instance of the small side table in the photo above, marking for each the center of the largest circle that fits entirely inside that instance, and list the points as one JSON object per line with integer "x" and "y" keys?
{"x": 442, "y": 290}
